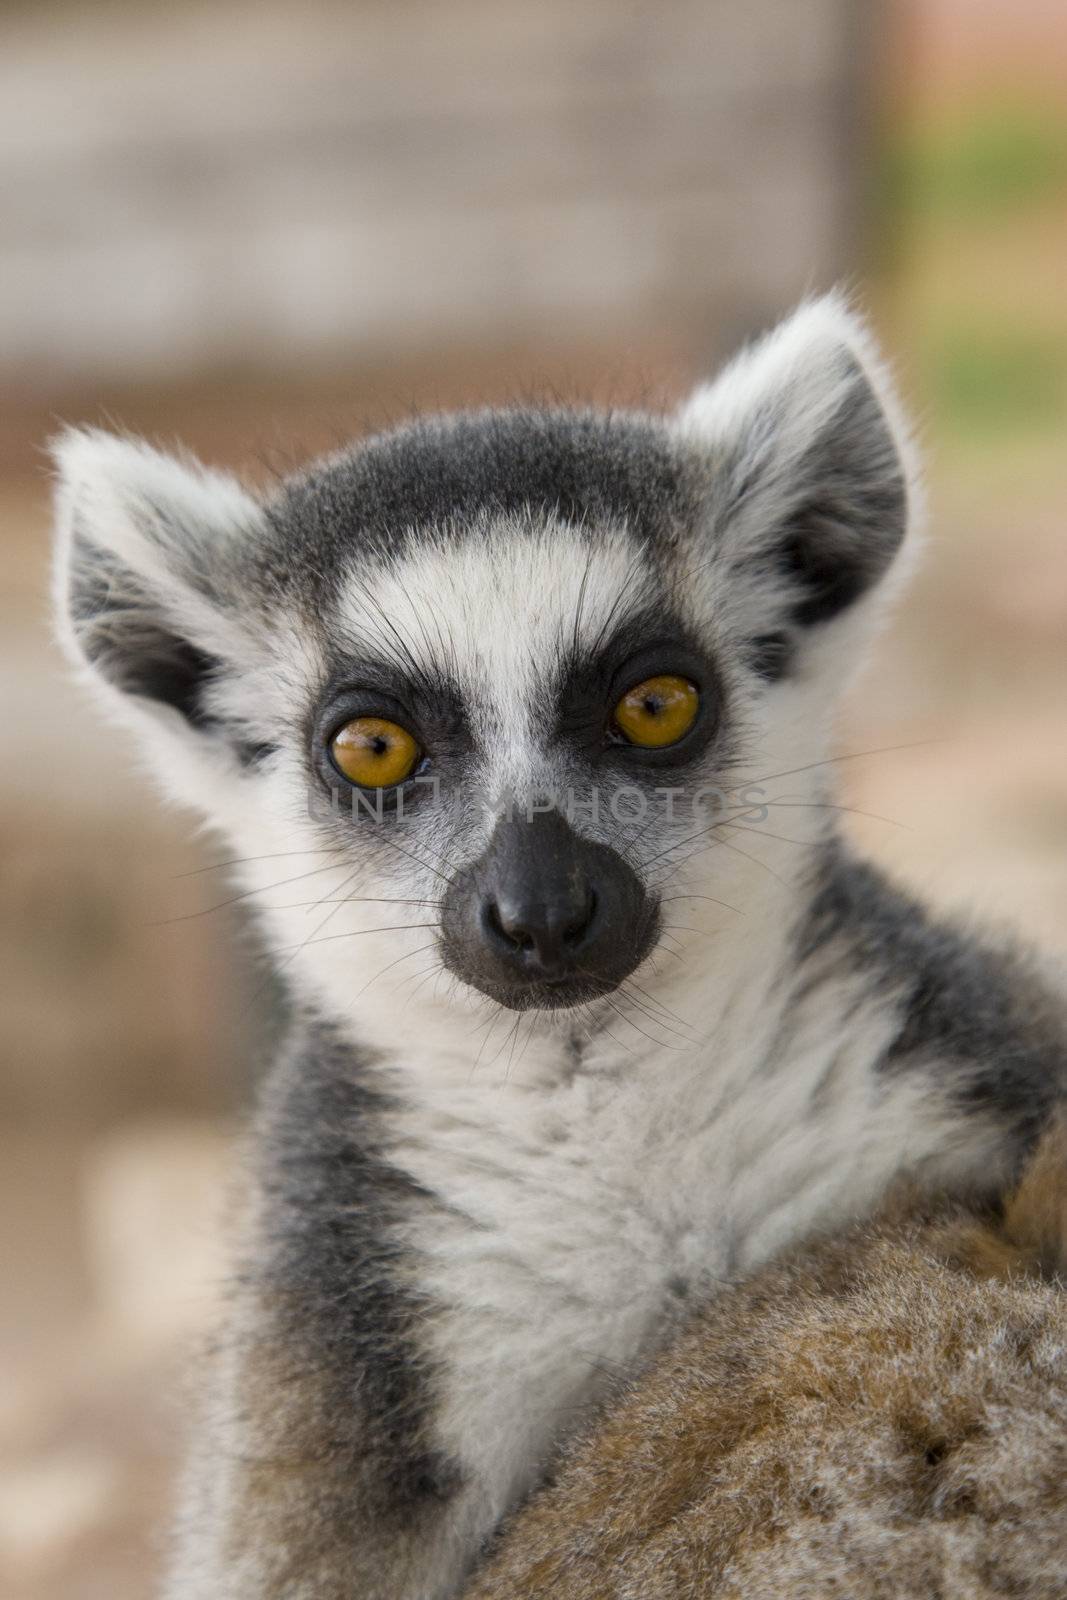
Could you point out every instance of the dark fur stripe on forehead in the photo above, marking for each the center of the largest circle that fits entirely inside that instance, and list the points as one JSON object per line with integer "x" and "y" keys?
{"x": 584, "y": 466}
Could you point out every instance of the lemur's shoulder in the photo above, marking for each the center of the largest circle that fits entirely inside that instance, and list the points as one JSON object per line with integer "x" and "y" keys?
{"x": 875, "y": 1414}
{"x": 968, "y": 1004}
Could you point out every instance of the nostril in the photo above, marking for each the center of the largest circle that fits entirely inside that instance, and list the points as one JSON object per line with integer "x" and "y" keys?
{"x": 540, "y": 934}
{"x": 508, "y": 932}
{"x": 578, "y": 926}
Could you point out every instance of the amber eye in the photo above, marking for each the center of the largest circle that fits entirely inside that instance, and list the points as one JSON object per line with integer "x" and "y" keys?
{"x": 658, "y": 711}
{"x": 374, "y": 753}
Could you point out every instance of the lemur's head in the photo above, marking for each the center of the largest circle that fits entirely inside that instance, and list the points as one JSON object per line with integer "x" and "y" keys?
{"x": 497, "y": 687}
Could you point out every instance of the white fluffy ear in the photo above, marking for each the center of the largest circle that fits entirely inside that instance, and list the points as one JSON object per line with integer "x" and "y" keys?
{"x": 147, "y": 568}
{"x": 812, "y": 473}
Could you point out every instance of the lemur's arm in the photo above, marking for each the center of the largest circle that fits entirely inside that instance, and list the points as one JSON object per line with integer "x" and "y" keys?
{"x": 318, "y": 1478}
{"x": 300, "y": 1493}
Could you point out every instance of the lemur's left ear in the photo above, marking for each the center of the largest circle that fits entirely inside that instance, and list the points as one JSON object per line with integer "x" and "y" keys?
{"x": 811, "y": 474}
{"x": 147, "y": 572}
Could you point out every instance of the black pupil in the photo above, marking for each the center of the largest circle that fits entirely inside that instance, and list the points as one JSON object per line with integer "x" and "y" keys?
{"x": 653, "y": 705}
{"x": 379, "y": 744}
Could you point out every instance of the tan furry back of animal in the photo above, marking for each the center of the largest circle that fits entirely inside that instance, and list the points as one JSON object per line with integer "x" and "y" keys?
{"x": 882, "y": 1414}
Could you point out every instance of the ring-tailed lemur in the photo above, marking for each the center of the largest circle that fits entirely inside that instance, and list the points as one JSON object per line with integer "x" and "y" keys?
{"x": 518, "y": 724}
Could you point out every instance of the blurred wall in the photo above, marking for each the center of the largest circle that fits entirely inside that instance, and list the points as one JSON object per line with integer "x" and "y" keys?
{"x": 192, "y": 185}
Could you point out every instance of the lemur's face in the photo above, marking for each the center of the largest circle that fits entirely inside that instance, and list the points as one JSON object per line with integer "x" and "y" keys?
{"x": 491, "y": 683}
{"x": 511, "y": 687}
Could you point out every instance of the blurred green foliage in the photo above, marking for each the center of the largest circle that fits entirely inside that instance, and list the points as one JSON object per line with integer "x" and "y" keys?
{"x": 998, "y": 158}
{"x": 973, "y": 203}
{"x": 994, "y": 381}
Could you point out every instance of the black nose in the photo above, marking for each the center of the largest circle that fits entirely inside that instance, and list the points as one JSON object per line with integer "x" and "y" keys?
{"x": 546, "y": 917}
{"x": 542, "y": 933}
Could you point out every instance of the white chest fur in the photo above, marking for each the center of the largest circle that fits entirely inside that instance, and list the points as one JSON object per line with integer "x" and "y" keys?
{"x": 581, "y": 1208}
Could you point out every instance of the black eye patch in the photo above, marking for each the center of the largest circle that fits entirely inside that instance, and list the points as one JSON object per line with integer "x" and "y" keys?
{"x": 641, "y": 649}
{"x": 425, "y": 695}
{"x": 429, "y": 705}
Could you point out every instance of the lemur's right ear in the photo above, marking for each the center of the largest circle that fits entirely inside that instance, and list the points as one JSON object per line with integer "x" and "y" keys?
{"x": 147, "y": 570}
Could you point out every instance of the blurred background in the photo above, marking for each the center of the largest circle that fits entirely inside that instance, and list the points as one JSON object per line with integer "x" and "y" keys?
{"x": 260, "y": 228}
